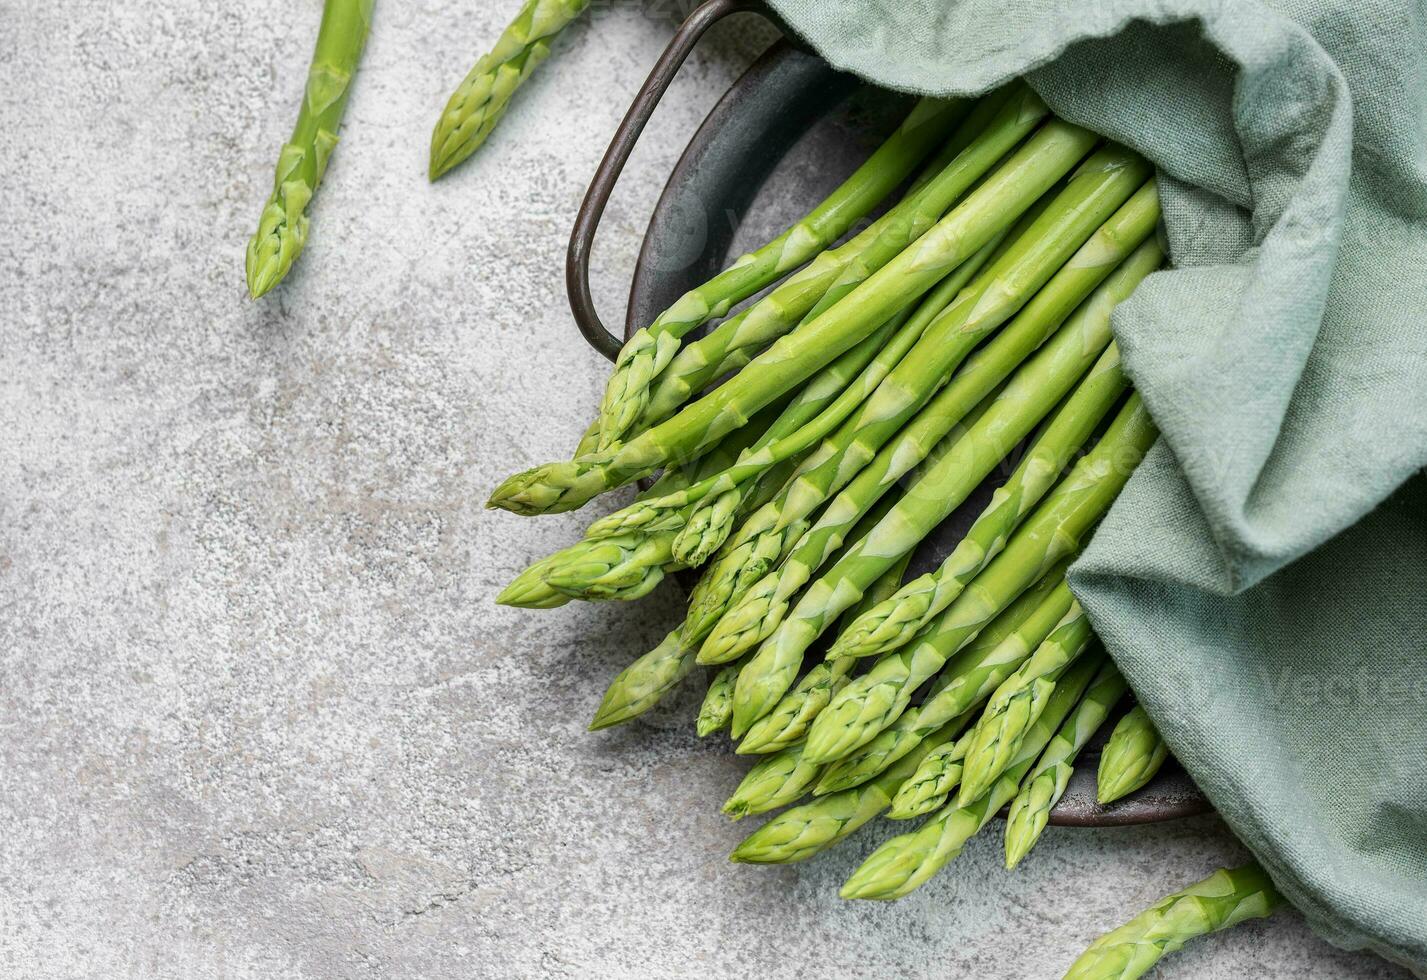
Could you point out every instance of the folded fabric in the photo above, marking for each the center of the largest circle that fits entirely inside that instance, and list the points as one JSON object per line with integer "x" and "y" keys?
{"x": 1262, "y": 581}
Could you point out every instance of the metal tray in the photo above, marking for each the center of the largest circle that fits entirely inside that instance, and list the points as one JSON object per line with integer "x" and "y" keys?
{"x": 784, "y": 135}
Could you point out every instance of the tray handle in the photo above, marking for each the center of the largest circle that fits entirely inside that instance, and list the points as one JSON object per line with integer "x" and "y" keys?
{"x": 587, "y": 219}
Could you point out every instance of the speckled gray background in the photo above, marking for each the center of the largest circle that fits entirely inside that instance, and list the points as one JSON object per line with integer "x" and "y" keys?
{"x": 259, "y": 716}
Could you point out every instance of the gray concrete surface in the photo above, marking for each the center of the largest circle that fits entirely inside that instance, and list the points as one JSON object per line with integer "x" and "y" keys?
{"x": 259, "y": 716}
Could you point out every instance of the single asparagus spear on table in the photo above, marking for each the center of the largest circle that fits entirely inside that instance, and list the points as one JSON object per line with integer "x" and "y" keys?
{"x": 485, "y": 93}
{"x": 1043, "y": 788}
{"x": 1018, "y": 702}
{"x": 874, "y": 700}
{"x": 1223, "y": 900}
{"x": 953, "y": 699}
{"x": 282, "y": 229}
{"x": 1131, "y": 758}
{"x": 651, "y": 348}
{"x": 1029, "y": 261}
{"x": 799, "y": 833}
{"x": 906, "y": 862}
{"x": 1028, "y": 173}
{"x": 1027, "y": 399}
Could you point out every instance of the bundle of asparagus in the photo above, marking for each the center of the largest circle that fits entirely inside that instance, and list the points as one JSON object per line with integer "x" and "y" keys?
{"x": 809, "y": 443}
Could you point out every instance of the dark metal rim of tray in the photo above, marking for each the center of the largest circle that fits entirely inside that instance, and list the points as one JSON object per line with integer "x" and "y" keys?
{"x": 776, "y": 103}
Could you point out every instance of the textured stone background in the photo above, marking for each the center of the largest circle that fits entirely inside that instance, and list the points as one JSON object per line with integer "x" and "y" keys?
{"x": 258, "y": 714}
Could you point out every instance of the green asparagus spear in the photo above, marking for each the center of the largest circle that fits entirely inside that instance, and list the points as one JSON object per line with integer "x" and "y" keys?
{"x": 805, "y": 830}
{"x": 643, "y": 683}
{"x": 1018, "y": 703}
{"x": 875, "y": 699}
{"x": 788, "y": 722}
{"x": 1030, "y": 810}
{"x": 1131, "y": 758}
{"x": 282, "y": 229}
{"x": 1029, "y": 172}
{"x": 717, "y": 709}
{"x": 953, "y": 699}
{"x": 483, "y": 96}
{"x": 651, "y": 348}
{"x": 905, "y": 863}
{"x": 929, "y": 787}
{"x": 762, "y": 610}
{"x": 776, "y": 781}
{"x": 1223, "y": 900}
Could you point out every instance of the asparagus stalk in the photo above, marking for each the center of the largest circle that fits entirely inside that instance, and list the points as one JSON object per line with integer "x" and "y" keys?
{"x": 789, "y": 720}
{"x": 1131, "y": 758}
{"x": 775, "y": 781}
{"x": 761, "y": 611}
{"x": 952, "y": 700}
{"x": 481, "y": 99}
{"x": 905, "y": 863}
{"x": 1223, "y": 900}
{"x": 874, "y": 700}
{"x": 1018, "y": 702}
{"x": 992, "y": 128}
{"x": 282, "y": 229}
{"x": 803, "y": 831}
{"x": 1033, "y": 168}
{"x": 928, "y": 788}
{"x": 642, "y": 684}
{"x": 717, "y": 709}
{"x": 651, "y": 348}
{"x": 1030, "y": 810}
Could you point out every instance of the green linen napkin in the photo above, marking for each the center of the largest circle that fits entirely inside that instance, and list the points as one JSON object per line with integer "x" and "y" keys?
{"x": 1263, "y": 579}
